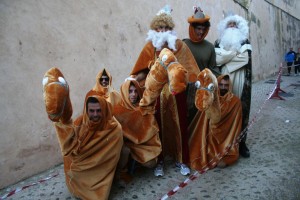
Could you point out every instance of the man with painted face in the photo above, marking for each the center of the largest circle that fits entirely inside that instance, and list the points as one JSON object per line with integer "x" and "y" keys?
{"x": 171, "y": 111}
{"x": 203, "y": 51}
{"x": 140, "y": 131}
{"x": 233, "y": 56}
{"x": 212, "y": 138}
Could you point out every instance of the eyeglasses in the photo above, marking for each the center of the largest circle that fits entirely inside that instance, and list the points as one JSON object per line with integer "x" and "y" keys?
{"x": 104, "y": 79}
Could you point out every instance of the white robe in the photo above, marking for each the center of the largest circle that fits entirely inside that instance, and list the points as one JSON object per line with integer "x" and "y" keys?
{"x": 233, "y": 63}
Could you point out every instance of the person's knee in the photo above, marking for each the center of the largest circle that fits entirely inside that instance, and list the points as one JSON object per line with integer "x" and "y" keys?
{"x": 150, "y": 164}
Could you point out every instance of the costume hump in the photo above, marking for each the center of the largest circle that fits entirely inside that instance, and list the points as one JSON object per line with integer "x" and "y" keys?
{"x": 213, "y": 136}
{"x": 91, "y": 150}
{"x": 140, "y": 131}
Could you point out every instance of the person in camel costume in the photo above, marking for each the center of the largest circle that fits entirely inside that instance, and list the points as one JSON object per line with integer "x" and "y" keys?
{"x": 234, "y": 57}
{"x": 104, "y": 87}
{"x": 90, "y": 145}
{"x": 215, "y": 132}
{"x": 140, "y": 131}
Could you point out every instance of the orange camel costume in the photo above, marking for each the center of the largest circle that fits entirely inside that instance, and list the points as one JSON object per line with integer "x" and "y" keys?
{"x": 165, "y": 73}
{"x": 90, "y": 150}
{"x": 108, "y": 92}
{"x": 140, "y": 131}
{"x": 171, "y": 117}
{"x": 216, "y": 130}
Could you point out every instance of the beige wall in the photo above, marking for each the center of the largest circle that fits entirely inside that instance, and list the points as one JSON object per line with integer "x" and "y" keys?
{"x": 82, "y": 37}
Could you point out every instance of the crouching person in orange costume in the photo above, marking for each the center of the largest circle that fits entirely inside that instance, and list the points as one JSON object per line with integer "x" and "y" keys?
{"x": 216, "y": 131}
{"x": 90, "y": 145}
{"x": 140, "y": 131}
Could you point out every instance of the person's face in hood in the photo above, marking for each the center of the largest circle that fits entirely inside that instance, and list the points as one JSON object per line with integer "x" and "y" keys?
{"x": 133, "y": 94}
{"x": 94, "y": 112}
{"x": 200, "y": 31}
{"x": 223, "y": 87}
{"x": 104, "y": 80}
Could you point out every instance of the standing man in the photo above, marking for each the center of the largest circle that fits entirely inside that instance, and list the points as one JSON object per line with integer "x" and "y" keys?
{"x": 203, "y": 51}
{"x": 90, "y": 145}
{"x": 233, "y": 56}
{"x": 290, "y": 57}
{"x": 171, "y": 111}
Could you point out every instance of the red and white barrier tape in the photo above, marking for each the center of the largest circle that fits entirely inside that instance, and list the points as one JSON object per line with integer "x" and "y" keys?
{"x": 216, "y": 159}
{"x": 26, "y": 186}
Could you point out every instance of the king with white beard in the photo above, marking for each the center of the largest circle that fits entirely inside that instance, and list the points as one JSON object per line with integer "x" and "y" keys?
{"x": 170, "y": 110}
{"x": 233, "y": 57}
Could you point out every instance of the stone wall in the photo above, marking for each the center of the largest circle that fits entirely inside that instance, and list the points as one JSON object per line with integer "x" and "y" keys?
{"x": 83, "y": 37}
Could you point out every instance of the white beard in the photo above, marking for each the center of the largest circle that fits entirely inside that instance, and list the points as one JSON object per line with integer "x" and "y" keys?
{"x": 160, "y": 38}
{"x": 231, "y": 39}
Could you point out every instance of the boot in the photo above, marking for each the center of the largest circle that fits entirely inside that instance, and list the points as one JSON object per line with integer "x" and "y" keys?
{"x": 244, "y": 151}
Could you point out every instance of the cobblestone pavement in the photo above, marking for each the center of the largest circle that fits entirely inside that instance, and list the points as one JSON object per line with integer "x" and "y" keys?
{"x": 271, "y": 172}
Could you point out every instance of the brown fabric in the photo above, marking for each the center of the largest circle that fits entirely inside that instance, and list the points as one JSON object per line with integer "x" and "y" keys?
{"x": 109, "y": 93}
{"x": 184, "y": 56}
{"x": 212, "y": 138}
{"x": 91, "y": 151}
{"x": 173, "y": 125}
{"x": 166, "y": 70}
{"x": 58, "y": 106}
{"x": 140, "y": 131}
{"x": 168, "y": 114}
{"x": 193, "y": 35}
{"x": 204, "y": 98}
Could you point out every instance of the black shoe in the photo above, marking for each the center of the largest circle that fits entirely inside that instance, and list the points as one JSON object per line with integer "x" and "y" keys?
{"x": 244, "y": 151}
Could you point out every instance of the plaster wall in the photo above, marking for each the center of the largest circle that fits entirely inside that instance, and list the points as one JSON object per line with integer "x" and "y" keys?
{"x": 83, "y": 37}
